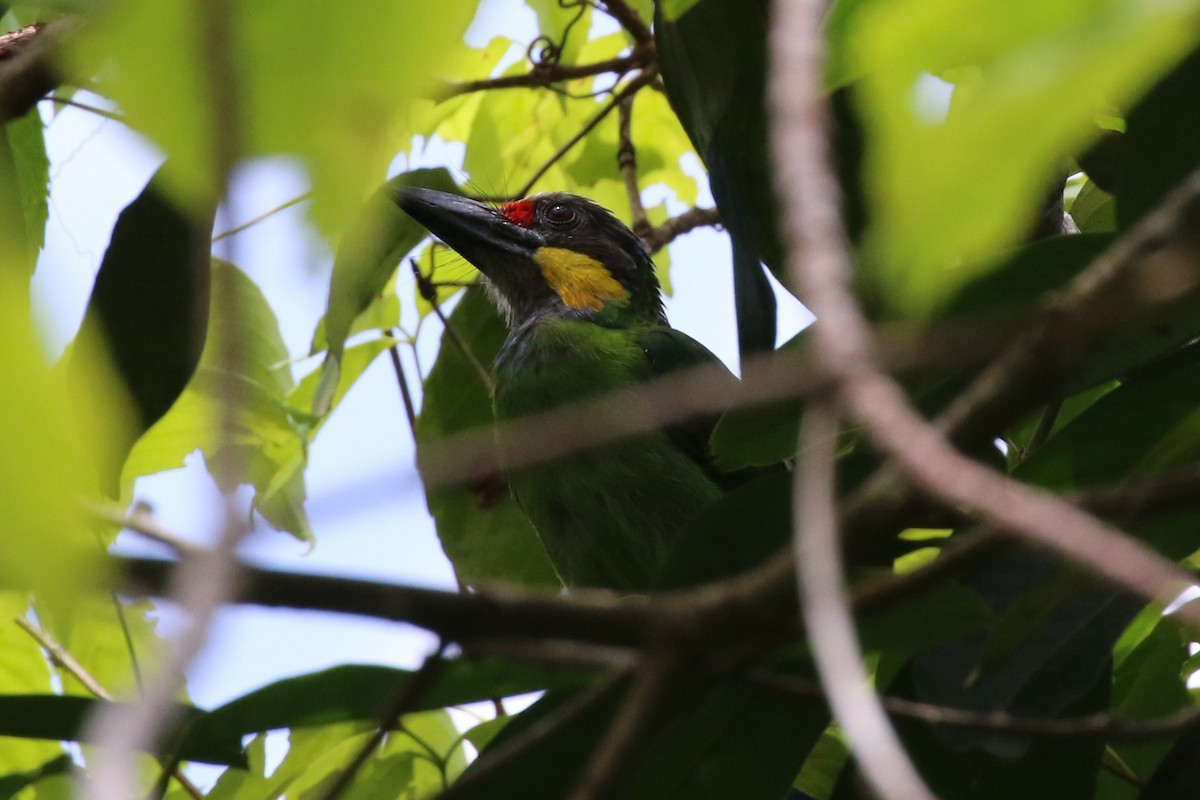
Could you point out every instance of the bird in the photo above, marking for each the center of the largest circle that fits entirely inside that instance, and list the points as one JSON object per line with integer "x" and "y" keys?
{"x": 585, "y": 317}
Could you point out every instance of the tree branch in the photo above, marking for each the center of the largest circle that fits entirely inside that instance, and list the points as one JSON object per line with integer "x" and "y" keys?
{"x": 842, "y": 343}
{"x": 658, "y": 237}
{"x": 1156, "y": 262}
{"x": 27, "y": 66}
{"x": 543, "y": 75}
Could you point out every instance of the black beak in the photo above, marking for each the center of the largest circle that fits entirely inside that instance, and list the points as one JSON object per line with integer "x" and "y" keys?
{"x": 478, "y": 233}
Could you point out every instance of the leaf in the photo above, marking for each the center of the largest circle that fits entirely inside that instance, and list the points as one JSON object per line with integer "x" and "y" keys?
{"x": 31, "y": 167}
{"x": 361, "y": 692}
{"x": 149, "y": 306}
{"x": 46, "y": 462}
{"x": 54, "y": 717}
{"x": 358, "y": 69}
{"x": 267, "y": 448}
{"x": 15, "y": 782}
{"x": 366, "y": 259}
{"x": 482, "y": 529}
{"x": 715, "y": 742}
{"x": 1094, "y": 210}
{"x": 1149, "y": 424}
{"x": 1030, "y": 78}
{"x": 1161, "y": 143}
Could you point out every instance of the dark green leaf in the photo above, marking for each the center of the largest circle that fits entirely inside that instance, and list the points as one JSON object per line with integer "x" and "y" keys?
{"x": 150, "y": 305}
{"x": 1161, "y": 144}
{"x": 362, "y": 692}
{"x": 62, "y": 718}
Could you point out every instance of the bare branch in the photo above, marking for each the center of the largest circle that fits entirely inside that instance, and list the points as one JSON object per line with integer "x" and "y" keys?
{"x": 630, "y": 20}
{"x": 843, "y": 344}
{"x": 827, "y": 616}
{"x": 1155, "y": 263}
{"x": 636, "y": 720}
{"x": 404, "y": 701}
{"x": 637, "y": 82}
{"x": 1103, "y": 726}
{"x": 27, "y": 66}
{"x": 627, "y": 162}
{"x": 658, "y": 237}
{"x": 544, "y": 75}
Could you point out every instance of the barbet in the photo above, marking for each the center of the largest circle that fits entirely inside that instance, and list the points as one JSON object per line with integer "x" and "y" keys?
{"x": 585, "y": 316}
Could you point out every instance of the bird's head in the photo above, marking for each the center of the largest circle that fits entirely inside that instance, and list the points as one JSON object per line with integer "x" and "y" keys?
{"x": 553, "y": 254}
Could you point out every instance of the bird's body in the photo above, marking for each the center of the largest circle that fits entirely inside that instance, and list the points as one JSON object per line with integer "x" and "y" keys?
{"x": 585, "y": 319}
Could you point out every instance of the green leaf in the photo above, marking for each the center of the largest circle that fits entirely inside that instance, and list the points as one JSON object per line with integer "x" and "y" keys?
{"x": 482, "y": 529}
{"x": 366, "y": 259}
{"x": 1147, "y": 425}
{"x": 149, "y": 306}
{"x": 564, "y": 26}
{"x": 268, "y": 447}
{"x": 1094, "y": 210}
{"x": 716, "y": 742}
{"x": 361, "y": 692}
{"x": 46, "y": 462}
{"x": 27, "y": 141}
{"x": 54, "y": 717}
{"x": 674, "y": 9}
{"x": 1030, "y": 79}
{"x": 160, "y": 62}
{"x": 1161, "y": 143}
{"x": 14, "y": 782}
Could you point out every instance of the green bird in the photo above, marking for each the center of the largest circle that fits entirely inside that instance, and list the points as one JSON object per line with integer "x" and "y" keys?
{"x": 585, "y": 315}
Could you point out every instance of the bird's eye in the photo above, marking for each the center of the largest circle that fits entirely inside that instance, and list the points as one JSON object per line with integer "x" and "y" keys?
{"x": 561, "y": 214}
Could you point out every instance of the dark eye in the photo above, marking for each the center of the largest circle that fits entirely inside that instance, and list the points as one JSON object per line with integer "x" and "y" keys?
{"x": 561, "y": 214}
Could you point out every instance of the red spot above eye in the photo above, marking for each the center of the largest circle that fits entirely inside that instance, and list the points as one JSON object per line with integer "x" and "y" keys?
{"x": 518, "y": 212}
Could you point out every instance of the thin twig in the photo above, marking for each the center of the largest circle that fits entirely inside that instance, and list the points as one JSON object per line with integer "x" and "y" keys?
{"x": 630, "y": 20}
{"x": 542, "y": 76}
{"x": 99, "y": 112}
{"x": 144, "y": 523}
{"x": 498, "y": 756}
{"x": 429, "y": 292}
{"x": 409, "y": 695}
{"x": 410, "y": 410}
{"x": 637, "y": 82}
{"x": 63, "y": 659}
{"x": 658, "y": 237}
{"x": 206, "y": 580}
{"x": 637, "y": 718}
{"x": 843, "y": 345}
{"x": 627, "y": 162}
{"x": 284, "y": 206}
{"x": 1103, "y": 726}
{"x": 827, "y": 616}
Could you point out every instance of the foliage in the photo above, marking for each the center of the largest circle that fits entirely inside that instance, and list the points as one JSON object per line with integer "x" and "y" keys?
{"x": 956, "y": 126}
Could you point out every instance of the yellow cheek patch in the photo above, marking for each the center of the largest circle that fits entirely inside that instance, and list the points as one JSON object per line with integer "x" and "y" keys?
{"x": 580, "y": 280}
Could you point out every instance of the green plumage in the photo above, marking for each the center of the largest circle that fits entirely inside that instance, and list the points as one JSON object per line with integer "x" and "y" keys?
{"x": 608, "y": 516}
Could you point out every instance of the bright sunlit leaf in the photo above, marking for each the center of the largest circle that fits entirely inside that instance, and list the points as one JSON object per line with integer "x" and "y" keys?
{"x": 1031, "y": 77}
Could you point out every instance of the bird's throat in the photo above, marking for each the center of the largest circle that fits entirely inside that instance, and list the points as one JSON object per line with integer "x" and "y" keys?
{"x": 581, "y": 281}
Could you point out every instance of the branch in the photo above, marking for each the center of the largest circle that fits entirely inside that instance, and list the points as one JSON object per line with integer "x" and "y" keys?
{"x": 27, "y": 66}
{"x": 627, "y": 163}
{"x": 637, "y": 718}
{"x": 1102, "y": 726}
{"x": 409, "y": 695}
{"x": 842, "y": 343}
{"x": 547, "y": 74}
{"x": 832, "y": 636}
{"x": 630, "y": 20}
{"x": 1156, "y": 262}
{"x": 637, "y": 82}
{"x": 657, "y": 238}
